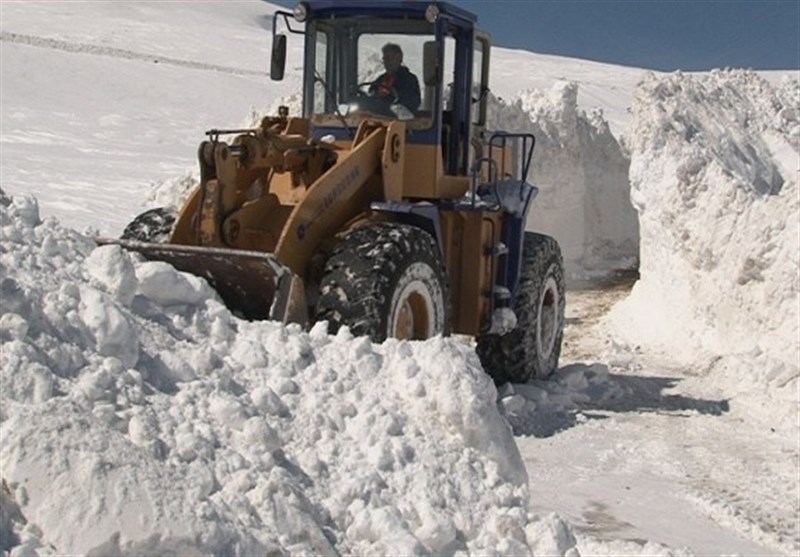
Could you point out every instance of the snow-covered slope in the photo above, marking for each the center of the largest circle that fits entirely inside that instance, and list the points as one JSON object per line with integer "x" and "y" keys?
{"x": 137, "y": 415}
{"x": 132, "y": 86}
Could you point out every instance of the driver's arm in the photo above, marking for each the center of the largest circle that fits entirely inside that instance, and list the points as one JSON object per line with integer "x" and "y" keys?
{"x": 373, "y": 87}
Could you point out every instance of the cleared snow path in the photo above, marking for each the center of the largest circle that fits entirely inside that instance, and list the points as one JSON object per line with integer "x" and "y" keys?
{"x": 626, "y": 450}
{"x": 677, "y": 420}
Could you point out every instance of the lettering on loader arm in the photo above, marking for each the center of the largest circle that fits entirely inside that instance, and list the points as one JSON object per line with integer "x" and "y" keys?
{"x": 345, "y": 184}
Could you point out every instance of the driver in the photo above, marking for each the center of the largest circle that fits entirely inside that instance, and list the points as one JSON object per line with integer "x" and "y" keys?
{"x": 397, "y": 84}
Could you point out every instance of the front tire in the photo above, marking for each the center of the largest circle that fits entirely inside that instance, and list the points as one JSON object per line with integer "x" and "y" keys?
{"x": 531, "y": 350}
{"x": 386, "y": 280}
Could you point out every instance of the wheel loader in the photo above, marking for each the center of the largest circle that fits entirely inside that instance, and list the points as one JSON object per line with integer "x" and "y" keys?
{"x": 393, "y": 220}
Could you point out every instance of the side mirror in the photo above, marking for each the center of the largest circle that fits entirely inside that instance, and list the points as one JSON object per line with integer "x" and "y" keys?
{"x": 278, "y": 64}
{"x": 430, "y": 63}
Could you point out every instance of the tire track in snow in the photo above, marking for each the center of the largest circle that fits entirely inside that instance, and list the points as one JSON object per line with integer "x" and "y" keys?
{"x": 83, "y": 48}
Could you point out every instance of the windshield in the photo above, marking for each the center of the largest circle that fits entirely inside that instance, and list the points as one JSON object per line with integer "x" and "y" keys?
{"x": 366, "y": 68}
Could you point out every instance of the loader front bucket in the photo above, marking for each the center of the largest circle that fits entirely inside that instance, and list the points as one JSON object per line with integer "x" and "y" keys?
{"x": 252, "y": 284}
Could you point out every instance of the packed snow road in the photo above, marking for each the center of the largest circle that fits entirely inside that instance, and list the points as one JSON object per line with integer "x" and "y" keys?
{"x": 627, "y": 449}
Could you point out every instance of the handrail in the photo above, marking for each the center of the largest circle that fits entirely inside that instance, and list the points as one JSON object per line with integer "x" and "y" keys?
{"x": 526, "y": 149}
{"x": 477, "y": 166}
{"x": 501, "y": 140}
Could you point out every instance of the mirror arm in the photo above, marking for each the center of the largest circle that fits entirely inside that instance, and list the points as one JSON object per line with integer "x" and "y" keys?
{"x": 287, "y": 18}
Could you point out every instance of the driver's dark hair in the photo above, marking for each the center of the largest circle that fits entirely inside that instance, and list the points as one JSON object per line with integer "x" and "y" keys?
{"x": 392, "y": 47}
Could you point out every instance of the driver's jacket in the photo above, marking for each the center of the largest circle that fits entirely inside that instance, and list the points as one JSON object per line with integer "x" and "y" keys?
{"x": 401, "y": 87}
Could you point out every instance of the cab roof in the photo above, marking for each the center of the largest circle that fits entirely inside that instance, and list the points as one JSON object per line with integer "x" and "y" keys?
{"x": 392, "y": 8}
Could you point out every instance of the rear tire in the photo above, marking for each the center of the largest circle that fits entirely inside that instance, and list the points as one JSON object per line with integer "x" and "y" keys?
{"x": 531, "y": 350}
{"x": 386, "y": 280}
{"x": 153, "y": 226}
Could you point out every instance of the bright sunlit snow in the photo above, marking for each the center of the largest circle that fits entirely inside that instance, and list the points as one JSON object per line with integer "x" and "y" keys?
{"x": 139, "y": 416}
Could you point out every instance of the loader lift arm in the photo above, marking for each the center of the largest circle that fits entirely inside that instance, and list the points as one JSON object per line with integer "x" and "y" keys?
{"x": 232, "y": 243}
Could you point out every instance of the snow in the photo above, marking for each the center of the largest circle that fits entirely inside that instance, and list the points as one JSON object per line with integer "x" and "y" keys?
{"x": 581, "y": 171}
{"x": 139, "y": 416}
{"x": 167, "y": 424}
{"x": 714, "y": 178}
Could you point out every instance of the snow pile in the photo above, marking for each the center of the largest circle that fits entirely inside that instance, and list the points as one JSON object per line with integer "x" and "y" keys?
{"x": 139, "y": 416}
{"x": 582, "y": 172}
{"x": 714, "y": 177}
{"x": 171, "y": 193}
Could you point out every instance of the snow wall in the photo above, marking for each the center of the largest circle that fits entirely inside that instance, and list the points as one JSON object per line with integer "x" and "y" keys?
{"x": 714, "y": 176}
{"x": 581, "y": 171}
{"x": 139, "y": 416}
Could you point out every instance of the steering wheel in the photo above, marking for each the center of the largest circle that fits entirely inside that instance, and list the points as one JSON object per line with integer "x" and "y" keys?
{"x": 375, "y": 105}
{"x": 362, "y": 89}
{"x": 364, "y": 101}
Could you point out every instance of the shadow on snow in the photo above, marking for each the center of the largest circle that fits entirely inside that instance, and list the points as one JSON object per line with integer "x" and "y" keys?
{"x": 578, "y": 393}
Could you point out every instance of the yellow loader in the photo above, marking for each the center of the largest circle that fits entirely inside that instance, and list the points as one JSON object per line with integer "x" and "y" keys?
{"x": 383, "y": 207}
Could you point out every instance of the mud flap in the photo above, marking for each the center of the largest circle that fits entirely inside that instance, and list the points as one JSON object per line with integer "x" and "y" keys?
{"x": 252, "y": 284}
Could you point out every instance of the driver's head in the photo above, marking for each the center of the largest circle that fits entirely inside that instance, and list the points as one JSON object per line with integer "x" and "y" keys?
{"x": 392, "y": 57}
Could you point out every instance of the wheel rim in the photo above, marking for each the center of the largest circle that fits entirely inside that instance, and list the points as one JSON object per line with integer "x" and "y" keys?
{"x": 414, "y": 315}
{"x": 413, "y": 319}
{"x": 547, "y": 324}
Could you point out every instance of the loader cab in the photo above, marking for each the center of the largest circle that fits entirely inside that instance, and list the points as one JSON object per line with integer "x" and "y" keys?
{"x": 441, "y": 48}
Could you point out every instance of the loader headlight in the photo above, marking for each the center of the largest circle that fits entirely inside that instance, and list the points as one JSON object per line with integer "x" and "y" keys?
{"x": 432, "y": 13}
{"x": 300, "y": 12}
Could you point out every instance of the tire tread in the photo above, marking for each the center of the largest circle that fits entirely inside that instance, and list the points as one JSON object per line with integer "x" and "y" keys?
{"x": 513, "y": 357}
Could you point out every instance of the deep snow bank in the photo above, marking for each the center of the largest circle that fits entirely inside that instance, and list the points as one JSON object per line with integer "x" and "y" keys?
{"x": 139, "y": 416}
{"x": 714, "y": 177}
{"x": 582, "y": 173}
